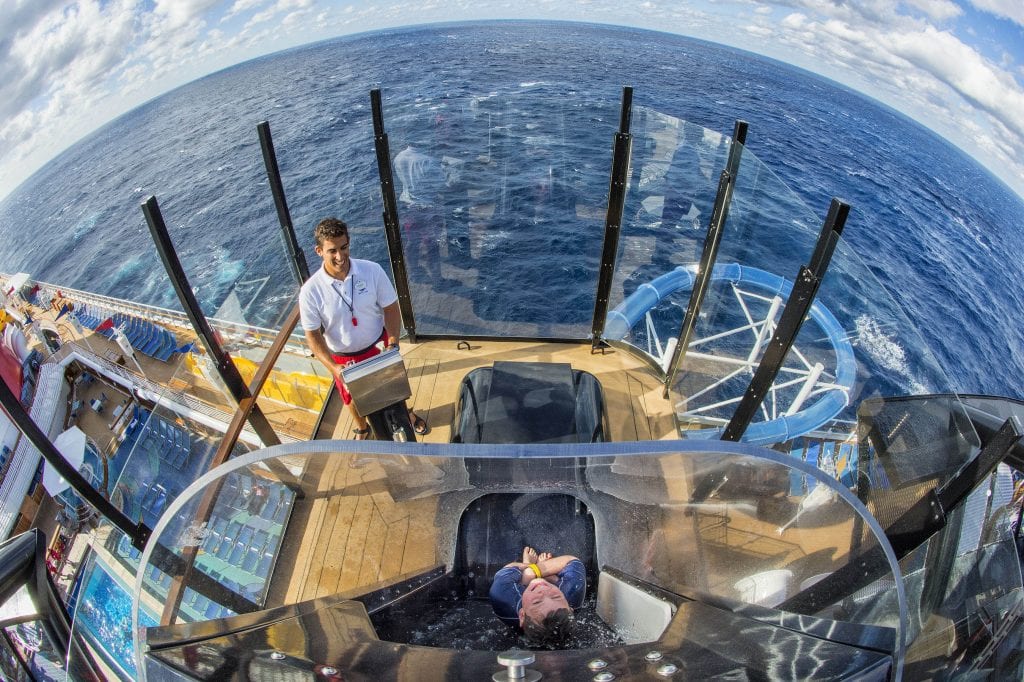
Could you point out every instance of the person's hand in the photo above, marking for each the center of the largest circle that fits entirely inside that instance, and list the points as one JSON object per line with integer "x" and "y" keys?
{"x": 530, "y": 556}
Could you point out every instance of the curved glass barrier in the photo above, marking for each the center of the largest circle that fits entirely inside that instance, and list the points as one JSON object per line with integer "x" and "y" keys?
{"x": 855, "y": 344}
{"x": 415, "y": 537}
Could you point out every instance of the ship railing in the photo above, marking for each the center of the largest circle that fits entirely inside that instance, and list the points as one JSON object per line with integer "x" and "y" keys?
{"x": 241, "y": 333}
{"x": 179, "y": 403}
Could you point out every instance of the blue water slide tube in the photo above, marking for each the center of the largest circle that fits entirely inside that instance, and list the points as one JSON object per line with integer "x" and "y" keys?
{"x": 821, "y": 411}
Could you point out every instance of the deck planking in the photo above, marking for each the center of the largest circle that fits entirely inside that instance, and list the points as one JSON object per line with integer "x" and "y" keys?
{"x": 356, "y": 535}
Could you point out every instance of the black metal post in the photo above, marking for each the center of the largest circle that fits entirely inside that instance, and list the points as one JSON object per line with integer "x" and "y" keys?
{"x": 739, "y": 139}
{"x": 800, "y": 300}
{"x": 929, "y": 514}
{"x": 805, "y": 289}
{"x": 702, "y": 280}
{"x": 138, "y": 532}
{"x": 391, "y": 222}
{"x": 719, "y": 214}
{"x": 831, "y": 230}
{"x": 224, "y": 365}
{"x": 621, "y": 147}
{"x": 296, "y": 258}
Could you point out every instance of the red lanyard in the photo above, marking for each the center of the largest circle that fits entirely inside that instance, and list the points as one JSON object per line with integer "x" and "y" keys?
{"x": 350, "y": 304}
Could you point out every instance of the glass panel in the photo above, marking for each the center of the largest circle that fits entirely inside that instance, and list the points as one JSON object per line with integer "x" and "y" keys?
{"x": 100, "y": 603}
{"x": 502, "y": 203}
{"x": 26, "y": 650}
{"x": 674, "y": 171}
{"x": 966, "y": 587}
{"x": 731, "y": 334}
{"x": 294, "y": 392}
{"x": 361, "y": 521}
{"x": 854, "y": 344}
{"x": 36, "y": 653}
{"x": 155, "y": 411}
{"x": 153, "y": 427}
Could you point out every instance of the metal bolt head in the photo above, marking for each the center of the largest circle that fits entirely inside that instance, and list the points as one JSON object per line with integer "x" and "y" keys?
{"x": 597, "y": 664}
{"x": 653, "y": 656}
{"x": 516, "y": 662}
{"x": 328, "y": 670}
{"x": 277, "y": 656}
{"x": 606, "y": 676}
{"x": 667, "y": 670}
{"x": 516, "y": 657}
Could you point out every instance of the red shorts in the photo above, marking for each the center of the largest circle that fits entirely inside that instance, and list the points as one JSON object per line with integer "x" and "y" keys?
{"x": 347, "y": 359}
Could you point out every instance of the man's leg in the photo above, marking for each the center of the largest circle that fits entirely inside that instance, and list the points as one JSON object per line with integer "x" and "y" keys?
{"x": 362, "y": 426}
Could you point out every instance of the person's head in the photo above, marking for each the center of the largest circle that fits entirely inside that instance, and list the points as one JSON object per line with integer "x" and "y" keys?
{"x": 545, "y": 614}
{"x": 329, "y": 228}
{"x": 332, "y": 242}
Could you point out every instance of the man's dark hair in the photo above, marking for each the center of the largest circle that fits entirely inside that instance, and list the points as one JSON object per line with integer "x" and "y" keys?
{"x": 551, "y": 632}
{"x": 329, "y": 228}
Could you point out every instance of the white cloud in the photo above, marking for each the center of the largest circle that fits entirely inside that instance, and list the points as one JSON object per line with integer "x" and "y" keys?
{"x": 178, "y": 13}
{"x": 67, "y": 56}
{"x": 241, "y": 6}
{"x": 905, "y": 61}
{"x": 794, "y": 21}
{"x": 967, "y": 72}
{"x": 280, "y": 7}
{"x": 1005, "y": 9}
{"x": 940, "y": 10}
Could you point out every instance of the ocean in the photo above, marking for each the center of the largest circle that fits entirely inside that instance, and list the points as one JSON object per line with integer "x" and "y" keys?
{"x": 935, "y": 228}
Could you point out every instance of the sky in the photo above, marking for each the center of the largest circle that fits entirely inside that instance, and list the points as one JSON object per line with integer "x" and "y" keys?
{"x": 69, "y": 66}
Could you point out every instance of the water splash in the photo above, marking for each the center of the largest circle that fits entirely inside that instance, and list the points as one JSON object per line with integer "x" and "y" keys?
{"x": 885, "y": 351}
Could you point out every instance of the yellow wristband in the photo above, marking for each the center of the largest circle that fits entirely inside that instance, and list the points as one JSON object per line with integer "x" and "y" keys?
{"x": 536, "y": 570}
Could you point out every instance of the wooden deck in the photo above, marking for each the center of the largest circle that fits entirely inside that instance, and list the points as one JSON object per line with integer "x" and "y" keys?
{"x": 636, "y": 410}
{"x": 363, "y": 529}
{"x": 354, "y": 533}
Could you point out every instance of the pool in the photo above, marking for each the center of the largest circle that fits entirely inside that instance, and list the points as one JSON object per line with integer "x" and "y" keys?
{"x": 103, "y": 614}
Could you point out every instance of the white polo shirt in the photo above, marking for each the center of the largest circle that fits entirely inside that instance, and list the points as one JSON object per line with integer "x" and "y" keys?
{"x": 324, "y": 304}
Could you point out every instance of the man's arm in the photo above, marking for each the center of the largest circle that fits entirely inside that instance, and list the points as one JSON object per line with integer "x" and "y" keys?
{"x": 392, "y": 323}
{"x": 317, "y": 344}
{"x": 549, "y": 568}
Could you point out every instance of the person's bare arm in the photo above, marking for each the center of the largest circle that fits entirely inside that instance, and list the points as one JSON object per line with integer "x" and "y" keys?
{"x": 317, "y": 344}
{"x": 553, "y": 566}
{"x": 392, "y": 323}
{"x": 549, "y": 568}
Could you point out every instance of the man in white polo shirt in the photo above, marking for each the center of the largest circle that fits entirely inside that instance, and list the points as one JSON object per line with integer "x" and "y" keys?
{"x": 348, "y": 308}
